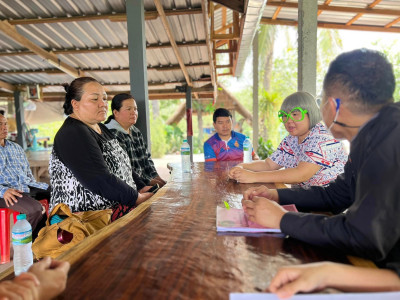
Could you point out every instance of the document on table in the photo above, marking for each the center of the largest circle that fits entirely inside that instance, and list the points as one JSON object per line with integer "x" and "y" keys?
{"x": 235, "y": 220}
{"x": 340, "y": 296}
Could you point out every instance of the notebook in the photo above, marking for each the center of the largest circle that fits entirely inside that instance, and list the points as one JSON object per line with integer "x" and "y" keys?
{"x": 235, "y": 220}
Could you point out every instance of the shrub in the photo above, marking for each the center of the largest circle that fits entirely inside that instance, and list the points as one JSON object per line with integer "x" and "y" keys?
{"x": 158, "y": 140}
{"x": 265, "y": 148}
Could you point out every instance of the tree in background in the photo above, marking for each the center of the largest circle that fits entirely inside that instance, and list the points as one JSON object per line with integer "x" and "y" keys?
{"x": 329, "y": 45}
{"x": 394, "y": 57}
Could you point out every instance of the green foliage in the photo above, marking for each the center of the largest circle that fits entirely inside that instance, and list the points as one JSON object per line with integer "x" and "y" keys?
{"x": 268, "y": 109}
{"x": 394, "y": 58}
{"x": 174, "y": 136}
{"x": 158, "y": 139}
{"x": 209, "y": 108}
{"x": 329, "y": 46}
{"x": 48, "y": 130}
{"x": 168, "y": 107}
{"x": 265, "y": 148}
{"x": 284, "y": 73}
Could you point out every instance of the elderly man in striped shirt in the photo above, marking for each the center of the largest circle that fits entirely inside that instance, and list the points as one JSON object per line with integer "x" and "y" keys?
{"x": 18, "y": 187}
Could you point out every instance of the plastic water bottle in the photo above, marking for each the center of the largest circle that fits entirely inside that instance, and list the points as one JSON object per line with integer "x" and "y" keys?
{"x": 22, "y": 244}
{"x": 185, "y": 156}
{"x": 247, "y": 150}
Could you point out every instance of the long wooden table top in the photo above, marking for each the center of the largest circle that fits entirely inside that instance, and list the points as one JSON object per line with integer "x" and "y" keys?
{"x": 168, "y": 248}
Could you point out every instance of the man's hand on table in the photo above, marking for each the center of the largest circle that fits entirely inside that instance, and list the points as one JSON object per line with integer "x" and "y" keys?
{"x": 263, "y": 211}
{"x": 303, "y": 278}
{"x": 52, "y": 275}
{"x": 10, "y": 196}
{"x": 260, "y": 191}
{"x": 44, "y": 280}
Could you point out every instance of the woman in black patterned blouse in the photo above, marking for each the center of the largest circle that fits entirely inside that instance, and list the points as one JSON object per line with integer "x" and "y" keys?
{"x": 88, "y": 168}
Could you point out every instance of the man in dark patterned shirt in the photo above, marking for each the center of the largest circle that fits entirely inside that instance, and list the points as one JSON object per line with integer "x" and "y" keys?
{"x": 121, "y": 123}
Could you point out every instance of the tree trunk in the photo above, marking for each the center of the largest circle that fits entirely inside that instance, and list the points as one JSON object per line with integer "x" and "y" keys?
{"x": 268, "y": 66}
{"x": 263, "y": 129}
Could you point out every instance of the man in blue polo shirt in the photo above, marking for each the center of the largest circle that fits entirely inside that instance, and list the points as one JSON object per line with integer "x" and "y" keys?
{"x": 226, "y": 144}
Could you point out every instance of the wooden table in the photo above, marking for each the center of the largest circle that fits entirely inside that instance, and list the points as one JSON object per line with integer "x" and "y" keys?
{"x": 168, "y": 247}
{"x": 39, "y": 162}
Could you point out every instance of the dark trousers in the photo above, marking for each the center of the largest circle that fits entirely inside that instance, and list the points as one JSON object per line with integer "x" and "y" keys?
{"x": 29, "y": 205}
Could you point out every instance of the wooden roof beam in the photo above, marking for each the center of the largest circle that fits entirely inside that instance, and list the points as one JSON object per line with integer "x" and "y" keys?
{"x": 60, "y": 97}
{"x": 107, "y": 49}
{"x": 359, "y": 15}
{"x": 50, "y": 57}
{"x": 236, "y": 5}
{"x": 277, "y": 11}
{"x": 390, "y": 24}
{"x": 208, "y": 95}
{"x": 174, "y": 91}
{"x": 177, "y": 67}
{"x": 177, "y": 115}
{"x": 149, "y": 15}
{"x": 211, "y": 59}
{"x": 7, "y": 86}
{"x": 387, "y": 12}
{"x": 327, "y": 2}
{"x": 56, "y": 71}
{"x": 268, "y": 21}
{"x": 171, "y": 38}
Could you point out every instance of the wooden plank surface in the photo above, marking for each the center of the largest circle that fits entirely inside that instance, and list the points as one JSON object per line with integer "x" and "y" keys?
{"x": 169, "y": 248}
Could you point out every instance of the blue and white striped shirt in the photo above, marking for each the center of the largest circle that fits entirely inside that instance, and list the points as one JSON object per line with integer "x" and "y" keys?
{"x": 15, "y": 171}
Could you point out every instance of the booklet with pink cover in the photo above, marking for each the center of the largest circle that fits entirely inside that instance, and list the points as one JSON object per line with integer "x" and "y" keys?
{"x": 235, "y": 220}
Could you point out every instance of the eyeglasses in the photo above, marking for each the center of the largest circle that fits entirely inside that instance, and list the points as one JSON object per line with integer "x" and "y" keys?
{"x": 296, "y": 114}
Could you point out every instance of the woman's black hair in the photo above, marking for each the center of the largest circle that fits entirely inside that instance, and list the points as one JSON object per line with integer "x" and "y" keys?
{"x": 116, "y": 103}
{"x": 74, "y": 90}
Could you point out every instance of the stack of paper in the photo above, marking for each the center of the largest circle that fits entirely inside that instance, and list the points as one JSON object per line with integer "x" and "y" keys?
{"x": 235, "y": 220}
{"x": 339, "y": 296}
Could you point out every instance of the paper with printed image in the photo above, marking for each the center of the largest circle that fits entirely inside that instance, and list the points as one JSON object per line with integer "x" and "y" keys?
{"x": 235, "y": 220}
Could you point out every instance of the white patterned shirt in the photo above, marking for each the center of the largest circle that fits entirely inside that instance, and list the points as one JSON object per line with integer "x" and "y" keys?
{"x": 319, "y": 148}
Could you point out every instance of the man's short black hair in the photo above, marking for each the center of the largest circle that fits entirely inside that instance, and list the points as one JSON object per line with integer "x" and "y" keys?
{"x": 2, "y": 112}
{"x": 366, "y": 76}
{"x": 221, "y": 112}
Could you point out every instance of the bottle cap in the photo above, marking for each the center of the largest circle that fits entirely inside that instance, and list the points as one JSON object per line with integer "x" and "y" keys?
{"x": 185, "y": 141}
{"x": 21, "y": 217}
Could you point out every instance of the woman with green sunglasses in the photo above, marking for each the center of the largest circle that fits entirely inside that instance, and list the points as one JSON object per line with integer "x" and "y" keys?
{"x": 308, "y": 156}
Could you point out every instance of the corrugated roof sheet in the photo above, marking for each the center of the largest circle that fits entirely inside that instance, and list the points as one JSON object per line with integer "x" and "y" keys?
{"x": 99, "y": 34}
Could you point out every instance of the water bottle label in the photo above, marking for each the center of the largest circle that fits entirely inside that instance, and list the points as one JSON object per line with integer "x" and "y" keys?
{"x": 185, "y": 152}
{"x": 22, "y": 238}
{"x": 246, "y": 148}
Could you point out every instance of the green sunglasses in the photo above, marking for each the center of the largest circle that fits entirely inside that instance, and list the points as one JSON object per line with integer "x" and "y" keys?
{"x": 296, "y": 114}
